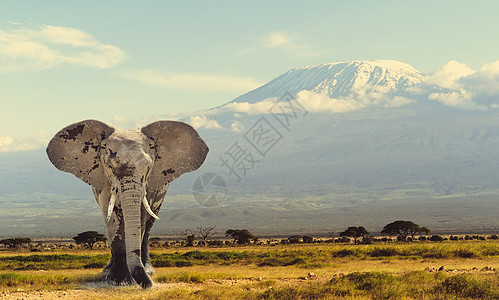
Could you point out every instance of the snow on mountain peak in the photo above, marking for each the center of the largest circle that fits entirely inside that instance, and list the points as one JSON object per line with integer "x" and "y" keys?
{"x": 338, "y": 79}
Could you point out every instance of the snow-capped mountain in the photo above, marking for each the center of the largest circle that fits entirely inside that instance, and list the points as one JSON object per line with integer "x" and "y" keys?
{"x": 338, "y": 79}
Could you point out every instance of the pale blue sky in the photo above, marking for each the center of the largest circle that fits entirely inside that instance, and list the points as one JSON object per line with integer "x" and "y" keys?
{"x": 65, "y": 61}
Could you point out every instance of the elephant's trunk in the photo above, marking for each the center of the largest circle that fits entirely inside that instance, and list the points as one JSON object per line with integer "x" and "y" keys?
{"x": 131, "y": 204}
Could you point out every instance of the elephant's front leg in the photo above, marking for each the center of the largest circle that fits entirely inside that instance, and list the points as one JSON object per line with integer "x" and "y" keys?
{"x": 117, "y": 271}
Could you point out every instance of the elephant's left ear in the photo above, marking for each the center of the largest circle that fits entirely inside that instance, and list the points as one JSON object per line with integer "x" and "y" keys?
{"x": 179, "y": 149}
{"x": 75, "y": 149}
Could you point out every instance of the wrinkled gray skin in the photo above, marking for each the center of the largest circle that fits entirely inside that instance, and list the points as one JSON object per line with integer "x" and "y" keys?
{"x": 128, "y": 166}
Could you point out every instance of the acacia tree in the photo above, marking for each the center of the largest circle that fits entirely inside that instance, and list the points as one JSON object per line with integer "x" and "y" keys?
{"x": 355, "y": 233}
{"x": 89, "y": 238}
{"x": 206, "y": 232}
{"x": 404, "y": 229}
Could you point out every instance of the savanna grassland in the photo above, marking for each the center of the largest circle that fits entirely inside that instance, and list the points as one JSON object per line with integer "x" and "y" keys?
{"x": 293, "y": 271}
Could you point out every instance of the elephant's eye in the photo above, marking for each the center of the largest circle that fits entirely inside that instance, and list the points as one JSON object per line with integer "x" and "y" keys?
{"x": 112, "y": 154}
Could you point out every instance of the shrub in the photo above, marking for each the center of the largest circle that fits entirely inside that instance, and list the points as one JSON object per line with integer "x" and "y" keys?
{"x": 343, "y": 239}
{"x": 464, "y": 286}
{"x": 307, "y": 239}
{"x": 345, "y": 253}
{"x": 163, "y": 263}
{"x": 465, "y": 253}
{"x": 436, "y": 238}
{"x": 15, "y": 242}
{"x": 216, "y": 243}
{"x": 295, "y": 239}
{"x": 383, "y": 251}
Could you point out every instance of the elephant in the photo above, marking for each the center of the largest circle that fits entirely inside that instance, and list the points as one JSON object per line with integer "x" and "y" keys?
{"x": 129, "y": 172}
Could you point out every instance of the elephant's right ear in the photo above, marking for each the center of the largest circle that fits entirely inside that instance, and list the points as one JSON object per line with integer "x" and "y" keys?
{"x": 179, "y": 149}
{"x": 76, "y": 148}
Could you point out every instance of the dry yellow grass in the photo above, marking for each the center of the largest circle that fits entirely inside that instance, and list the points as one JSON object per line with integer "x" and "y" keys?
{"x": 218, "y": 281}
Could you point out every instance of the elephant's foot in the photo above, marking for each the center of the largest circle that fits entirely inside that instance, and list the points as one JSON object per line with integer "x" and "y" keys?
{"x": 119, "y": 279}
{"x": 117, "y": 275}
{"x": 141, "y": 277}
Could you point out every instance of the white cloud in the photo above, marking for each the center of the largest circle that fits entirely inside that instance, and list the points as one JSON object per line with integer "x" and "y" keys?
{"x": 12, "y": 144}
{"x": 398, "y": 101}
{"x": 315, "y": 102}
{"x": 122, "y": 122}
{"x": 5, "y": 141}
{"x": 50, "y": 46}
{"x": 190, "y": 81}
{"x": 261, "y": 107}
{"x": 203, "y": 122}
{"x": 275, "y": 39}
{"x": 458, "y": 98}
{"x": 486, "y": 80}
{"x": 449, "y": 75}
{"x": 457, "y": 85}
{"x": 236, "y": 126}
{"x": 282, "y": 40}
{"x": 15, "y": 23}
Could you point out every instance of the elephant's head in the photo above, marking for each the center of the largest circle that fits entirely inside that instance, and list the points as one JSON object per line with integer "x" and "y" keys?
{"x": 129, "y": 172}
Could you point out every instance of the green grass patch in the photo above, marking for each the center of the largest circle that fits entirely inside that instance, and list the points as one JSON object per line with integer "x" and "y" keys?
{"x": 282, "y": 255}
{"x": 53, "y": 261}
{"x": 11, "y": 281}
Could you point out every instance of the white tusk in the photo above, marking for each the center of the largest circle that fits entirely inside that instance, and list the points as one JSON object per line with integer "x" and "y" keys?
{"x": 148, "y": 208}
{"x": 110, "y": 207}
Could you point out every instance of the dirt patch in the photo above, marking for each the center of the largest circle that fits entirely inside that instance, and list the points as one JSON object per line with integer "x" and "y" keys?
{"x": 94, "y": 291}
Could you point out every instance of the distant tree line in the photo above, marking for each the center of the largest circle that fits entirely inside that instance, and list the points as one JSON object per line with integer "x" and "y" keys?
{"x": 404, "y": 231}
